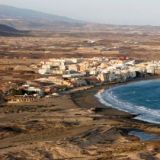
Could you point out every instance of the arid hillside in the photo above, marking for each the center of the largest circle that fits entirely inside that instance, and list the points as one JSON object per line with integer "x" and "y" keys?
{"x": 140, "y": 44}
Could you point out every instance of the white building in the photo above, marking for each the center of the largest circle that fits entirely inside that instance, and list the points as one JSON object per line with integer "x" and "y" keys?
{"x": 150, "y": 70}
{"x": 73, "y": 75}
{"x": 46, "y": 69}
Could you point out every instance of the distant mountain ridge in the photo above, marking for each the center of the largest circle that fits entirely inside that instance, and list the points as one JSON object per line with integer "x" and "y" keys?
{"x": 29, "y": 19}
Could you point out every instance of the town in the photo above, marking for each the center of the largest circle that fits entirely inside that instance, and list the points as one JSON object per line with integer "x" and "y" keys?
{"x": 63, "y": 75}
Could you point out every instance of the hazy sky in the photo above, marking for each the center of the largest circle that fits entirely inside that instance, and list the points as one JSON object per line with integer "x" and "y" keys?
{"x": 141, "y": 12}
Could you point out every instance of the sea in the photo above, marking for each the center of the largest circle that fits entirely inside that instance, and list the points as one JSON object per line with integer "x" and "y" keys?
{"x": 140, "y": 98}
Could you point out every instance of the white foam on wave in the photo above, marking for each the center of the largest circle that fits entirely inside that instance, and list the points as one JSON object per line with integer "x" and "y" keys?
{"x": 99, "y": 96}
{"x": 145, "y": 114}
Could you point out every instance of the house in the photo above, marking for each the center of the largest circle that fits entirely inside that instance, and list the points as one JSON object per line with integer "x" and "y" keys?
{"x": 57, "y": 72}
{"x": 92, "y": 80}
{"x": 73, "y": 74}
{"x": 21, "y": 99}
{"x": 150, "y": 70}
{"x": 46, "y": 69}
{"x": 74, "y": 67}
{"x": 62, "y": 67}
{"x": 93, "y": 71}
{"x": 78, "y": 82}
{"x": 84, "y": 66}
{"x": 132, "y": 74}
{"x": 103, "y": 77}
{"x": 59, "y": 81}
{"x": 130, "y": 62}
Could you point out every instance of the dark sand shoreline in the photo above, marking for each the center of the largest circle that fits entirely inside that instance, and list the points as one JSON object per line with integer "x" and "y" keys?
{"x": 94, "y": 101}
{"x": 87, "y": 99}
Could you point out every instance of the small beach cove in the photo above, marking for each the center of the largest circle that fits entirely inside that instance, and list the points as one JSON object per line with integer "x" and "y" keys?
{"x": 117, "y": 117}
{"x": 140, "y": 98}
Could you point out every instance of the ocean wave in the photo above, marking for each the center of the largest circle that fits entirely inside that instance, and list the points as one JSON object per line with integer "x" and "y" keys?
{"x": 109, "y": 99}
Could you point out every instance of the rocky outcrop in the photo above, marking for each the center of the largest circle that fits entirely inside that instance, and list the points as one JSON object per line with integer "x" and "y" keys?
{"x": 6, "y": 30}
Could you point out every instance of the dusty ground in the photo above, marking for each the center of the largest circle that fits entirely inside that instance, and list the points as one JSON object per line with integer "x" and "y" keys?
{"x": 65, "y": 128}
{"x": 139, "y": 43}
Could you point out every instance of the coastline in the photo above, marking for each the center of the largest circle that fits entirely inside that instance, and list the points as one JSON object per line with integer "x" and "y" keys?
{"x": 145, "y": 111}
{"x": 116, "y": 118}
{"x": 87, "y": 99}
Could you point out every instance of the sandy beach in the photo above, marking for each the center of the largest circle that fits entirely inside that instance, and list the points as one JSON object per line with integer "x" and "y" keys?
{"x": 73, "y": 126}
